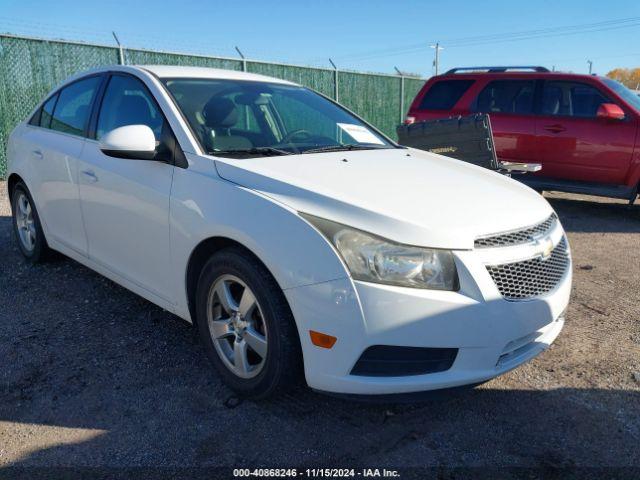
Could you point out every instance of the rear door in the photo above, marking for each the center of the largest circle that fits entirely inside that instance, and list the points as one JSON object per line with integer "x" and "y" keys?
{"x": 125, "y": 202}
{"x": 510, "y": 103}
{"x": 576, "y": 145}
{"x": 56, "y": 138}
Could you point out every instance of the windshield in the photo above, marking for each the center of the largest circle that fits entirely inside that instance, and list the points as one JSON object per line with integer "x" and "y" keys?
{"x": 245, "y": 118}
{"x": 630, "y": 97}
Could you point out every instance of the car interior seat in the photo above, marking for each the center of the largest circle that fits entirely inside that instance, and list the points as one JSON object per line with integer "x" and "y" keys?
{"x": 523, "y": 101}
{"x": 487, "y": 101}
{"x": 551, "y": 100}
{"x": 220, "y": 116}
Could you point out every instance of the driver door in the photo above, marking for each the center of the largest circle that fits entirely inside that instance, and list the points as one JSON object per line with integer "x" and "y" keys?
{"x": 125, "y": 202}
{"x": 575, "y": 144}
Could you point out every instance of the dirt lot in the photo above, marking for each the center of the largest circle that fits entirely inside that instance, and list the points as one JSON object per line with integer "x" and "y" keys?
{"x": 93, "y": 376}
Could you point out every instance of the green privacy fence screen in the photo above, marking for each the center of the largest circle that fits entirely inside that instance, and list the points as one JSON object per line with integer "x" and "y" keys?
{"x": 29, "y": 68}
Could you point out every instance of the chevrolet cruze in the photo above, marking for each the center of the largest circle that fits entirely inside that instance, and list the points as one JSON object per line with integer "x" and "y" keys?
{"x": 299, "y": 240}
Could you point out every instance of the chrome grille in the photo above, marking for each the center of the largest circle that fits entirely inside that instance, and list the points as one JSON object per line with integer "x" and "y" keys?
{"x": 531, "y": 278}
{"x": 517, "y": 237}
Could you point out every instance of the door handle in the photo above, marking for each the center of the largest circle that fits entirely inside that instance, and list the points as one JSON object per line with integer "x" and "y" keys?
{"x": 91, "y": 175}
{"x": 555, "y": 128}
{"x": 37, "y": 154}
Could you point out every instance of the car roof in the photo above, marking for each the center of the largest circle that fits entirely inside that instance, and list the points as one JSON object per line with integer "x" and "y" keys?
{"x": 171, "y": 71}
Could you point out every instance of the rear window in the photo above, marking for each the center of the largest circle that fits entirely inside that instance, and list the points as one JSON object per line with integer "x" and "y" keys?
{"x": 444, "y": 95}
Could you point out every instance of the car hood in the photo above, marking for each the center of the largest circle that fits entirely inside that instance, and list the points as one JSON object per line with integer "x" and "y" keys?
{"x": 405, "y": 195}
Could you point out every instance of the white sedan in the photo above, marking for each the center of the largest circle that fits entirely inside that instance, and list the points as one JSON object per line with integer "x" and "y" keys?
{"x": 300, "y": 241}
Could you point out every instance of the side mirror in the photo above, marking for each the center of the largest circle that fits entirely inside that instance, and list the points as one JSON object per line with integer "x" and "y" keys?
{"x": 136, "y": 142}
{"x": 610, "y": 111}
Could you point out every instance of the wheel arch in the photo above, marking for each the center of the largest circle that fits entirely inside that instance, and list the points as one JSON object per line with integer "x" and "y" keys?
{"x": 209, "y": 213}
{"x": 198, "y": 259}
{"x": 13, "y": 179}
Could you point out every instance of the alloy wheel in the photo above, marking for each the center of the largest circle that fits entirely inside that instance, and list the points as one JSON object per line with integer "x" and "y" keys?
{"x": 25, "y": 222}
{"x": 237, "y": 327}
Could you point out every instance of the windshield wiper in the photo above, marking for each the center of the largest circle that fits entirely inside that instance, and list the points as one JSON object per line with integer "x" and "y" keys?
{"x": 252, "y": 151}
{"x": 341, "y": 148}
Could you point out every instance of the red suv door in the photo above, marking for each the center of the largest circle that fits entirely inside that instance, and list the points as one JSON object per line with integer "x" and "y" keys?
{"x": 573, "y": 143}
{"x": 510, "y": 103}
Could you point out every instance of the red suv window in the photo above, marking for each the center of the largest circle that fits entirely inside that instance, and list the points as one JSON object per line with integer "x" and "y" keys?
{"x": 444, "y": 94}
{"x": 572, "y": 99}
{"x": 507, "y": 96}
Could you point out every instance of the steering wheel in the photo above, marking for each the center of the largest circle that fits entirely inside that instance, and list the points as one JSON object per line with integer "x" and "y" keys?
{"x": 291, "y": 135}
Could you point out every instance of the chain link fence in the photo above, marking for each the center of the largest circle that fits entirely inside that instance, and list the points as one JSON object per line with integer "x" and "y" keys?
{"x": 29, "y": 68}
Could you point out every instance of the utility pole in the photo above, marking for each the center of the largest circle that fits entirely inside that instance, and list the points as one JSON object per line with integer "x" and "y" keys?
{"x": 590, "y": 66}
{"x": 437, "y": 60}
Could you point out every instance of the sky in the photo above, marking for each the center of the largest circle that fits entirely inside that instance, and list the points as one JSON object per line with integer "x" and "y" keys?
{"x": 372, "y": 35}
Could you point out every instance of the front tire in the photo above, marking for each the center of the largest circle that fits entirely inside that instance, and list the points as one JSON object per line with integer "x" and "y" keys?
{"x": 245, "y": 325}
{"x": 27, "y": 226}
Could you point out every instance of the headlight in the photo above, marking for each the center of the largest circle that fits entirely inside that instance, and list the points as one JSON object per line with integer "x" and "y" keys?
{"x": 374, "y": 259}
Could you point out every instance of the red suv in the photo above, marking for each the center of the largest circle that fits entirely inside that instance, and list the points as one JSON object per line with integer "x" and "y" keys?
{"x": 583, "y": 129}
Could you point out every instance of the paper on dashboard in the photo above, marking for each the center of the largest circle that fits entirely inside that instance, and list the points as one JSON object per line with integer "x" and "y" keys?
{"x": 360, "y": 134}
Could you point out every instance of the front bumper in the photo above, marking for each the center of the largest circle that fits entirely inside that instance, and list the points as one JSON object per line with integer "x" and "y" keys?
{"x": 492, "y": 335}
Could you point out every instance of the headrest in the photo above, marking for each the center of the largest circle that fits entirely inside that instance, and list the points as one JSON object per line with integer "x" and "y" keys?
{"x": 551, "y": 100}
{"x": 220, "y": 112}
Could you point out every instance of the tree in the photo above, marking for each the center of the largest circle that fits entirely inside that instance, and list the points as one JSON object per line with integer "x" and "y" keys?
{"x": 628, "y": 76}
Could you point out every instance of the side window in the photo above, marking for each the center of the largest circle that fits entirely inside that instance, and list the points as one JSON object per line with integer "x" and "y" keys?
{"x": 586, "y": 100}
{"x": 507, "y": 96}
{"x": 46, "y": 112}
{"x": 444, "y": 95}
{"x": 35, "y": 118}
{"x": 74, "y": 106}
{"x": 127, "y": 102}
{"x": 572, "y": 99}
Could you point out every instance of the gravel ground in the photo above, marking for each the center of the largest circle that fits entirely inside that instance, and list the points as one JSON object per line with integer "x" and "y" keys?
{"x": 93, "y": 376}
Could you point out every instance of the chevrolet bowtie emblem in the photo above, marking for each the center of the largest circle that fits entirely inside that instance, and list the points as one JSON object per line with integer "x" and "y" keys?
{"x": 544, "y": 246}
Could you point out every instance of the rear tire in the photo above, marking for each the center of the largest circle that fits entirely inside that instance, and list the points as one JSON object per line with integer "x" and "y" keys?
{"x": 246, "y": 326}
{"x": 26, "y": 225}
